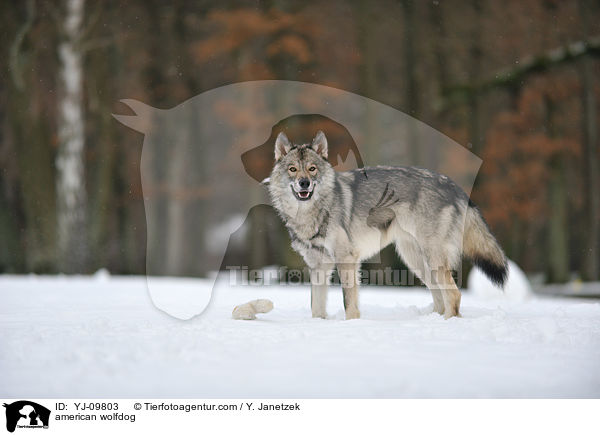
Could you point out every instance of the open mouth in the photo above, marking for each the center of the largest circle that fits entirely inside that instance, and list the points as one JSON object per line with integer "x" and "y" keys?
{"x": 302, "y": 195}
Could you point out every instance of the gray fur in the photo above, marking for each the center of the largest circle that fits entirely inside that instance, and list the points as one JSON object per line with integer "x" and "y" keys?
{"x": 350, "y": 216}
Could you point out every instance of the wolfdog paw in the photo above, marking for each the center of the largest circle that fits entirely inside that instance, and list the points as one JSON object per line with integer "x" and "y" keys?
{"x": 439, "y": 310}
{"x": 352, "y": 314}
{"x": 450, "y": 314}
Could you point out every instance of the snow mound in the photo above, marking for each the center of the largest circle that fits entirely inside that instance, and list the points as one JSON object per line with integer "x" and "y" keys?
{"x": 102, "y": 275}
{"x": 517, "y": 287}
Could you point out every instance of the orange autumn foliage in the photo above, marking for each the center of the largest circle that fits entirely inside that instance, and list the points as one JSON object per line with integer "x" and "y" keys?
{"x": 256, "y": 34}
{"x": 522, "y": 148}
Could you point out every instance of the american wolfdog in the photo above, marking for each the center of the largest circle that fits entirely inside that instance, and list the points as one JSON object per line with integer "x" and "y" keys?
{"x": 339, "y": 219}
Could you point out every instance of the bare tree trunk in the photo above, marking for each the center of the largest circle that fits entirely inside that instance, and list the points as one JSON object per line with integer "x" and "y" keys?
{"x": 29, "y": 135}
{"x": 367, "y": 68}
{"x": 177, "y": 203}
{"x": 438, "y": 29}
{"x": 438, "y": 24}
{"x": 475, "y": 55}
{"x": 591, "y": 261}
{"x": 558, "y": 236}
{"x": 70, "y": 178}
{"x": 558, "y": 232}
{"x": 411, "y": 86}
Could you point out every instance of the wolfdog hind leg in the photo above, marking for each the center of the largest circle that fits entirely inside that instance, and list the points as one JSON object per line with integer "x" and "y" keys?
{"x": 438, "y": 300}
{"x": 450, "y": 293}
{"x": 414, "y": 258}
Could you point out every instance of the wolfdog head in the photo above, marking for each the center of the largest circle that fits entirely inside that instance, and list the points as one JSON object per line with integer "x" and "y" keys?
{"x": 301, "y": 172}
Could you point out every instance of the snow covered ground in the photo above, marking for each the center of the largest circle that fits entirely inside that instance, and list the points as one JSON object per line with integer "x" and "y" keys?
{"x": 101, "y": 336}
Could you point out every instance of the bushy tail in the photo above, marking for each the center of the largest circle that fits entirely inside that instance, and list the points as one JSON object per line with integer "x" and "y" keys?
{"x": 481, "y": 247}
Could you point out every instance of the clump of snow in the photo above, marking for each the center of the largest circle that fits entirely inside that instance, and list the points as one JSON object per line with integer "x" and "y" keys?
{"x": 249, "y": 310}
{"x": 516, "y": 288}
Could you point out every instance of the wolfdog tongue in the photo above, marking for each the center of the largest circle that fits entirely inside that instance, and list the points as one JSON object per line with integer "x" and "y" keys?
{"x": 303, "y": 194}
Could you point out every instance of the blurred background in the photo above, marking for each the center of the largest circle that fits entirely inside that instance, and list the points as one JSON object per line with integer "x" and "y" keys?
{"x": 516, "y": 83}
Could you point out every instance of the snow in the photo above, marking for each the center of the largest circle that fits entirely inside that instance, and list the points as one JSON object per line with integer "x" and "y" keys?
{"x": 516, "y": 288}
{"x": 101, "y": 336}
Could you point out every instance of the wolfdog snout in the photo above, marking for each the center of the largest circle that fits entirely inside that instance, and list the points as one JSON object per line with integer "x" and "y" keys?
{"x": 304, "y": 183}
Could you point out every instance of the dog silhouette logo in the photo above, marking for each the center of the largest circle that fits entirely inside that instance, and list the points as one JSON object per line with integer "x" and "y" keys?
{"x": 204, "y": 163}
{"x": 26, "y": 414}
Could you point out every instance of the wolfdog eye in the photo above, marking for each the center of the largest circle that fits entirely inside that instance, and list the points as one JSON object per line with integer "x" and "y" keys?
{"x": 292, "y": 169}
{"x": 312, "y": 169}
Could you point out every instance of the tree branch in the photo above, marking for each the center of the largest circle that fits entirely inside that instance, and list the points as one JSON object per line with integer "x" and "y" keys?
{"x": 514, "y": 76}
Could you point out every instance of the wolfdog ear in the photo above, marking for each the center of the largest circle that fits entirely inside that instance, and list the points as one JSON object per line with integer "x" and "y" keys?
{"x": 282, "y": 146}
{"x": 319, "y": 144}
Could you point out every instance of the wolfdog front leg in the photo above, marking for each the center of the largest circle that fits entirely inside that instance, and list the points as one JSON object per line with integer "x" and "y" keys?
{"x": 349, "y": 278}
{"x": 319, "y": 282}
